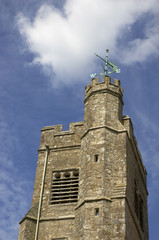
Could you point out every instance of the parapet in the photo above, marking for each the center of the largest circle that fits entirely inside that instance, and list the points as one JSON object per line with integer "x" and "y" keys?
{"x": 54, "y": 136}
{"x": 58, "y": 129}
{"x": 106, "y": 84}
{"x": 55, "y": 128}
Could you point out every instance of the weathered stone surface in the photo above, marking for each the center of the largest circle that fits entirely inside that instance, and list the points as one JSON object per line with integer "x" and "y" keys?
{"x": 104, "y": 151}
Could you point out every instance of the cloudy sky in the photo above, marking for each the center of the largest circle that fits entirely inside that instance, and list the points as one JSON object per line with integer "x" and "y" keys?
{"x": 46, "y": 57}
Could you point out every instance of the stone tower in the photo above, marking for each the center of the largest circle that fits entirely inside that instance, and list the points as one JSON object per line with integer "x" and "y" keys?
{"x": 90, "y": 181}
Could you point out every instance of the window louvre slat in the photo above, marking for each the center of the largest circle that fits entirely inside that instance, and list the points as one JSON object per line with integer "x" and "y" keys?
{"x": 64, "y": 187}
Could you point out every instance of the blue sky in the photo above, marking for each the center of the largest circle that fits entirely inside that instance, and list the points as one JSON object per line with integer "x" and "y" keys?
{"x": 46, "y": 57}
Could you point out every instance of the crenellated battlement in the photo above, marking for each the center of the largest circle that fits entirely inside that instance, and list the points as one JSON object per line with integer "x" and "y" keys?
{"x": 106, "y": 84}
{"x": 54, "y": 136}
{"x": 58, "y": 129}
{"x": 55, "y": 128}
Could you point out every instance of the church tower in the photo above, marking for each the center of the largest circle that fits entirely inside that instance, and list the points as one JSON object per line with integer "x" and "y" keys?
{"x": 90, "y": 181}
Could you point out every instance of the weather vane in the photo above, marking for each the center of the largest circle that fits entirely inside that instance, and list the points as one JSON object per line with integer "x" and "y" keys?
{"x": 108, "y": 64}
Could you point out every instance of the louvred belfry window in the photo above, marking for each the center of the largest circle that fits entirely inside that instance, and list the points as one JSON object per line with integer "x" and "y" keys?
{"x": 64, "y": 187}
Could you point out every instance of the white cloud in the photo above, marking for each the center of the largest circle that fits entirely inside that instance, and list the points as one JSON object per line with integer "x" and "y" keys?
{"x": 64, "y": 42}
{"x": 140, "y": 49}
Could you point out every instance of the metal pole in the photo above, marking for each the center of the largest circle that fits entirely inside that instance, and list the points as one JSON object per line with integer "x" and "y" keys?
{"x": 41, "y": 193}
{"x": 106, "y": 63}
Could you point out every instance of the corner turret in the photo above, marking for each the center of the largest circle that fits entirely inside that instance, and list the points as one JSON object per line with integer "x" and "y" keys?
{"x": 103, "y": 103}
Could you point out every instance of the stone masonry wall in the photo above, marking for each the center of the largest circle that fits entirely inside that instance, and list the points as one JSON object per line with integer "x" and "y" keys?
{"x": 104, "y": 151}
{"x": 64, "y": 152}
